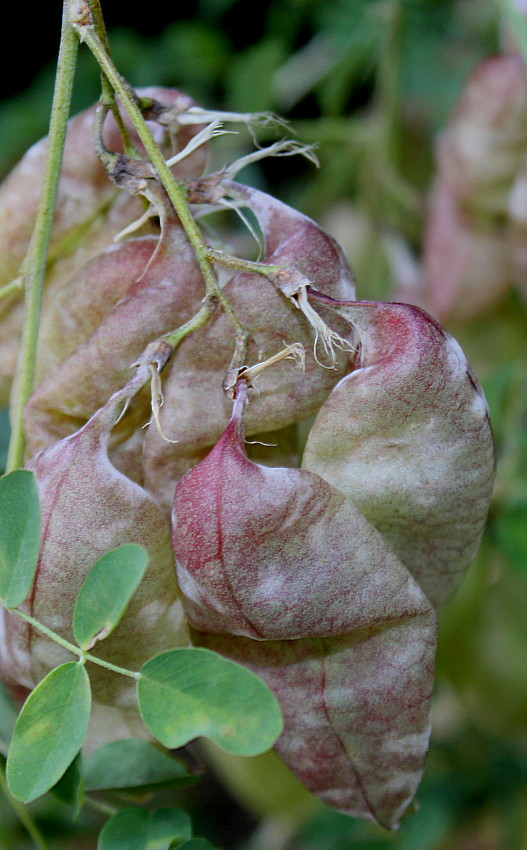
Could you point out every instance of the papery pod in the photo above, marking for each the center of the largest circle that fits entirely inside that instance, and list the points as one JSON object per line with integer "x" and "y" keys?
{"x": 167, "y": 294}
{"x": 196, "y": 410}
{"x": 466, "y": 261}
{"x": 481, "y": 150}
{"x": 83, "y": 303}
{"x": 323, "y": 610}
{"x": 89, "y": 211}
{"x": 84, "y": 189}
{"x": 89, "y": 508}
{"x": 517, "y": 229}
{"x": 61, "y": 271}
{"x": 406, "y": 438}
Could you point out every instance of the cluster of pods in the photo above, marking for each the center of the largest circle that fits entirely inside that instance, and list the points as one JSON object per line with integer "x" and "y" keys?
{"x": 474, "y": 247}
{"x": 322, "y": 569}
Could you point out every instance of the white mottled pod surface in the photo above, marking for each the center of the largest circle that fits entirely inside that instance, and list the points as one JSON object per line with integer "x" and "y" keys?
{"x": 406, "y": 438}
{"x": 282, "y": 573}
{"x": 88, "y": 508}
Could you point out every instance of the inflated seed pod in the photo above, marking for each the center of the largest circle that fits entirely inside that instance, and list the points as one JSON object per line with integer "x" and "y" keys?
{"x": 285, "y": 575}
{"x": 483, "y": 146}
{"x": 88, "y": 508}
{"x": 164, "y": 296}
{"x": 196, "y": 410}
{"x": 90, "y": 211}
{"x": 83, "y": 303}
{"x": 84, "y": 189}
{"x": 406, "y": 438}
{"x": 467, "y": 263}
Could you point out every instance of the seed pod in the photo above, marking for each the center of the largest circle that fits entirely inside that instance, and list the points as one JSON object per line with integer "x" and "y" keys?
{"x": 466, "y": 262}
{"x": 89, "y": 508}
{"x": 80, "y": 306}
{"x": 84, "y": 189}
{"x": 482, "y": 148}
{"x": 167, "y": 294}
{"x": 338, "y": 628}
{"x": 407, "y": 438}
{"x": 196, "y": 410}
{"x": 89, "y": 210}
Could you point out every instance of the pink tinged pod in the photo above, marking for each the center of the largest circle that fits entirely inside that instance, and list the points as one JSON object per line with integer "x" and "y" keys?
{"x": 340, "y": 631}
{"x": 167, "y": 293}
{"x": 196, "y": 410}
{"x": 89, "y": 212}
{"x": 356, "y": 711}
{"x": 407, "y": 439}
{"x": 84, "y": 189}
{"x": 467, "y": 264}
{"x": 88, "y": 508}
{"x": 79, "y": 306}
{"x": 484, "y": 144}
{"x": 293, "y": 239}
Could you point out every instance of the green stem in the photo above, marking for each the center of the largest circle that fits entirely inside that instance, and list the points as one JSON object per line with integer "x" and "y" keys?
{"x": 99, "y": 806}
{"x": 34, "y": 266}
{"x": 71, "y": 647}
{"x": 108, "y": 95}
{"x": 230, "y": 262}
{"x": 23, "y": 814}
{"x": 198, "y": 321}
{"x": 15, "y": 285}
{"x": 173, "y": 190}
{"x": 389, "y": 86}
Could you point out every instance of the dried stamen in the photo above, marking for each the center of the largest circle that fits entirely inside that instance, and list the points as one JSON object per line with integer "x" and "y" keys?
{"x": 295, "y": 352}
{"x": 151, "y": 212}
{"x": 285, "y": 147}
{"x": 197, "y": 115}
{"x": 157, "y": 401}
{"x": 210, "y": 132}
{"x": 329, "y": 338}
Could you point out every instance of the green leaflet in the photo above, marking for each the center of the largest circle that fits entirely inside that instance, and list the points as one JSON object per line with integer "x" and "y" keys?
{"x": 49, "y": 732}
{"x": 106, "y": 592}
{"x": 139, "y": 829}
{"x": 186, "y": 693}
{"x": 19, "y": 535}
{"x": 132, "y": 763}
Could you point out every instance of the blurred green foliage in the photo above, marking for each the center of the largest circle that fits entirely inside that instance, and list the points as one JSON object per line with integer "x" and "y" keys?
{"x": 371, "y": 82}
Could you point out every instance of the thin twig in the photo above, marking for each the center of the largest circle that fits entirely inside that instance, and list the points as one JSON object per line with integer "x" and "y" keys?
{"x": 34, "y": 266}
